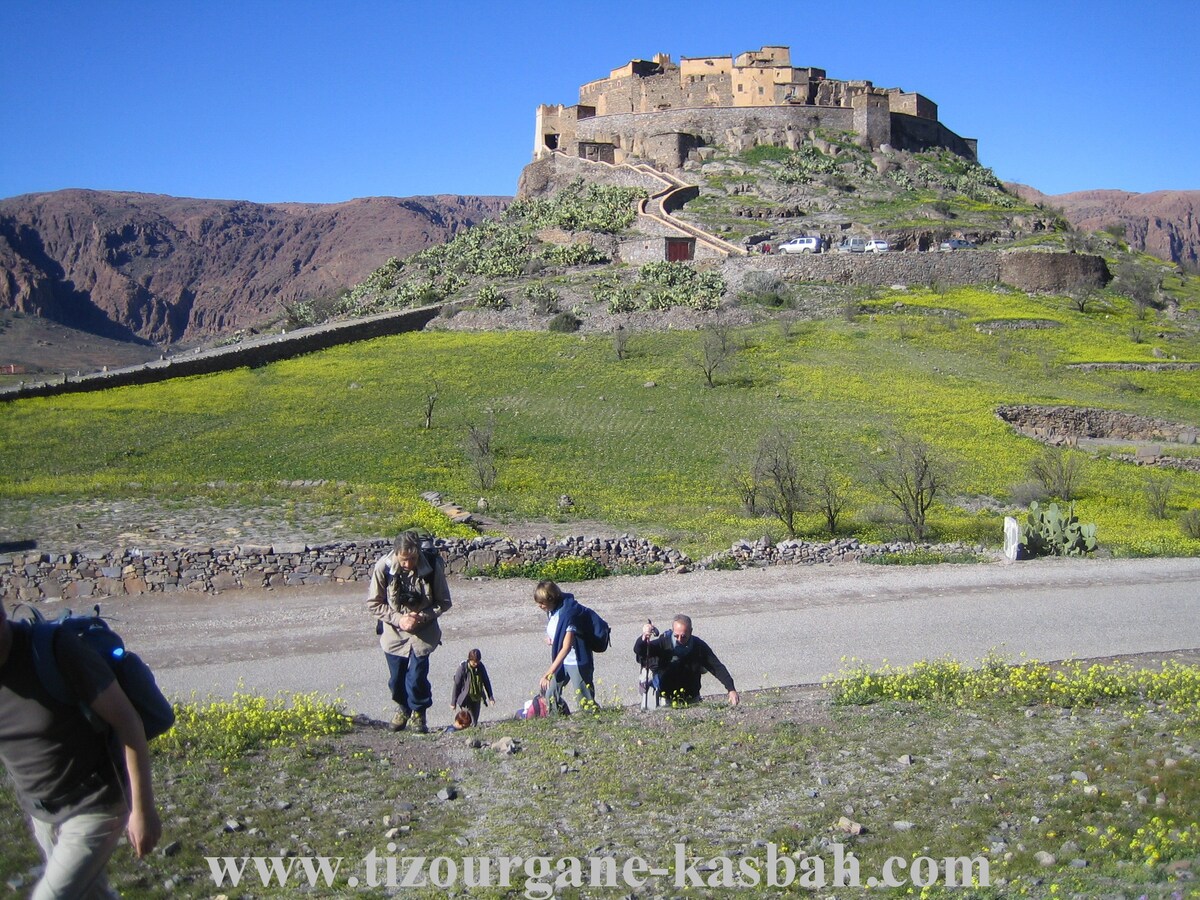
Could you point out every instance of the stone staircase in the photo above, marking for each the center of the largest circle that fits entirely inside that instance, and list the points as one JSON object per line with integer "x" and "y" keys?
{"x": 674, "y": 193}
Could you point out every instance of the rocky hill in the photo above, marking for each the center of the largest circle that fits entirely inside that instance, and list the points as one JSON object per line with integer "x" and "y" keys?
{"x": 170, "y": 269}
{"x": 1165, "y": 224}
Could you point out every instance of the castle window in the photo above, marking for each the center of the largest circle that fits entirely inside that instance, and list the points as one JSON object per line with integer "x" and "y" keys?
{"x": 741, "y": 87}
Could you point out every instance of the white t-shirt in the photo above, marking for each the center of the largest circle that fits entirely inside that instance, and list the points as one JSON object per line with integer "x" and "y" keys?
{"x": 552, "y": 628}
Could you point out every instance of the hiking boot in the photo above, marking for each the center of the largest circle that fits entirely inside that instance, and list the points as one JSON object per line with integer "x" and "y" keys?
{"x": 400, "y": 720}
{"x": 418, "y": 722}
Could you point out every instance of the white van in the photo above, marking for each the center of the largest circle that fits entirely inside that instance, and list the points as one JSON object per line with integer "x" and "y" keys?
{"x": 801, "y": 245}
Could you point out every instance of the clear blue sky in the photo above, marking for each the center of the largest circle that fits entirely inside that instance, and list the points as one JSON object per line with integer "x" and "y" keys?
{"x": 326, "y": 101}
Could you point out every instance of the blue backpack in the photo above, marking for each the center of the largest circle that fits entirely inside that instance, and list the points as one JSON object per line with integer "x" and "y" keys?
{"x": 593, "y": 630}
{"x": 131, "y": 673}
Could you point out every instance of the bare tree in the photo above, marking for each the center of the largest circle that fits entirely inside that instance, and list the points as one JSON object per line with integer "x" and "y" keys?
{"x": 716, "y": 352}
{"x": 744, "y": 474}
{"x": 431, "y": 398}
{"x": 830, "y": 490}
{"x": 1058, "y": 471}
{"x": 620, "y": 340}
{"x": 1082, "y": 297}
{"x": 781, "y": 477}
{"x": 480, "y": 454}
{"x": 913, "y": 478}
{"x": 1139, "y": 284}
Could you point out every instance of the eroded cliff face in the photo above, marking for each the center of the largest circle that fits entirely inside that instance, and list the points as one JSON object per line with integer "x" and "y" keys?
{"x": 172, "y": 269}
{"x": 1165, "y": 224}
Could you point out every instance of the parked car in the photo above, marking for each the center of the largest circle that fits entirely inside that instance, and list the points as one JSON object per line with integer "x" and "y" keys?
{"x": 956, "y": 244}
{"x": 853, "y": 245}
{"x": 801, "y": 244}
{"x": 877, "y": 245}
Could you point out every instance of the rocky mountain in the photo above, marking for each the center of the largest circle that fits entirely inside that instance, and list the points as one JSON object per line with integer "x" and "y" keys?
{"x": 1165, "y": 224}
{"x": 170, "y": 269}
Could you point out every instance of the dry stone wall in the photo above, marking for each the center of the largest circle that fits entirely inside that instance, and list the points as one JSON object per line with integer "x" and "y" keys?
{"x": 34, "y": 576}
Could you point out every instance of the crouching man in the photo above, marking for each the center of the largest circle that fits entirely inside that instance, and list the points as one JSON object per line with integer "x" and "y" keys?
{"x": 678, "y": 660}
{"x": 78, "y": 793}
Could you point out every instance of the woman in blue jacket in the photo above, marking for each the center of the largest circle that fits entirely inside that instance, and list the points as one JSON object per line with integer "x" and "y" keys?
{"x": 571, "y": 663}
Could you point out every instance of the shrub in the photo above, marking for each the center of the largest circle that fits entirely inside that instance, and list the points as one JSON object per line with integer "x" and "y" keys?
{"x": 231, "y": 729}
{"x": 490, "y": 298}
{"x": 1027, "y": 493}
{"x": 544, "y": 299}
{"x": 1189, "y": 524}
{"x": 564, "y": 569}
{"x": 574, "y": 255}
{"x": 565, "y": 322}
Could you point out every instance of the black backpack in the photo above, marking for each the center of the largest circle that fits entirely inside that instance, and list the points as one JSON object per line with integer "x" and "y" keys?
{"x": 131, "y": 673}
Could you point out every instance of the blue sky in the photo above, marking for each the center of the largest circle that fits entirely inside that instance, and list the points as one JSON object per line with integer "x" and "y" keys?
{"x": 326, "y": 101}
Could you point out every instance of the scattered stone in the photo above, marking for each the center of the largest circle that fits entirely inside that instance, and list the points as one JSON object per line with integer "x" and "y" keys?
{"x": 902, "y": 825}
{"x": 170, "y": 849}
{"x": 233, "y": 825}
{"x": 447, "y": 793}
{"x": 1044, "y": 858}
{"x": 905, "y": 760}
{"x": 506, "y": 745}
{"x": 849, "y": 826}
{"x": 1079, "y": 776}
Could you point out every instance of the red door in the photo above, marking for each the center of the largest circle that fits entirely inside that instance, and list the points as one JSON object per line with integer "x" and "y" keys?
{"x": 680, "y": 249}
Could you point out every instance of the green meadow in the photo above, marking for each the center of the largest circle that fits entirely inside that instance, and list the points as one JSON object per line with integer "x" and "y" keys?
{"x": 640, "y": 443}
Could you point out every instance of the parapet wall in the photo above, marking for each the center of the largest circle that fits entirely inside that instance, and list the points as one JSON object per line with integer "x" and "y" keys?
{"x": 1047, "y": 272}
{"x": 253, "y": 352}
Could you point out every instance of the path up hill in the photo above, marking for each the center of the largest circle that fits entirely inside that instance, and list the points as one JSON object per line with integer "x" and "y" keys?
{"x": 172, "y": 269}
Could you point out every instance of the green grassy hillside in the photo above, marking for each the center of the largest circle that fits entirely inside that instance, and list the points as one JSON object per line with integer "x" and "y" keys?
{"x": 568, "y": 416}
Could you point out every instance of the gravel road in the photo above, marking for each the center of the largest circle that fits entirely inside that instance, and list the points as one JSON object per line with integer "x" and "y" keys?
{"x": 773, "y": 627}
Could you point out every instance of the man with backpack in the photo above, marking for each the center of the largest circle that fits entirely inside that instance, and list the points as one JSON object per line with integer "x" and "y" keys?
{"x": 78, "y": 795}
{"x": 407, "y": 595}
{"x": 677, "y": 660}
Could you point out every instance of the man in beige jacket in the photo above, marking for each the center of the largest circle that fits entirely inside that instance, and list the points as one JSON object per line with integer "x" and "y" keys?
{"x": 408, "y": 593}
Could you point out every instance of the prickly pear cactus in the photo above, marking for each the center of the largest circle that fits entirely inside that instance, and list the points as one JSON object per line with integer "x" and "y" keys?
{"x": 1047, "y": 531}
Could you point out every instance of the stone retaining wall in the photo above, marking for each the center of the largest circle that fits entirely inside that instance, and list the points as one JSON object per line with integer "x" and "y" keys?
{"x": 1045, "y": 423}
{"x": 1025, "y": 271}
{"x": 36, "y": 576}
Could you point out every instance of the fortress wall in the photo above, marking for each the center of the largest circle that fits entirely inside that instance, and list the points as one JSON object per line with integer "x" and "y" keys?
{"x": 711, "y": 124}
{"x": 915, "y": 133}
{"x": 1025, "y": 271}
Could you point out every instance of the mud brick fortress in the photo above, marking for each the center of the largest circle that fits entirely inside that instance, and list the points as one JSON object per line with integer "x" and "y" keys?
{"x": 662, "y": 113}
